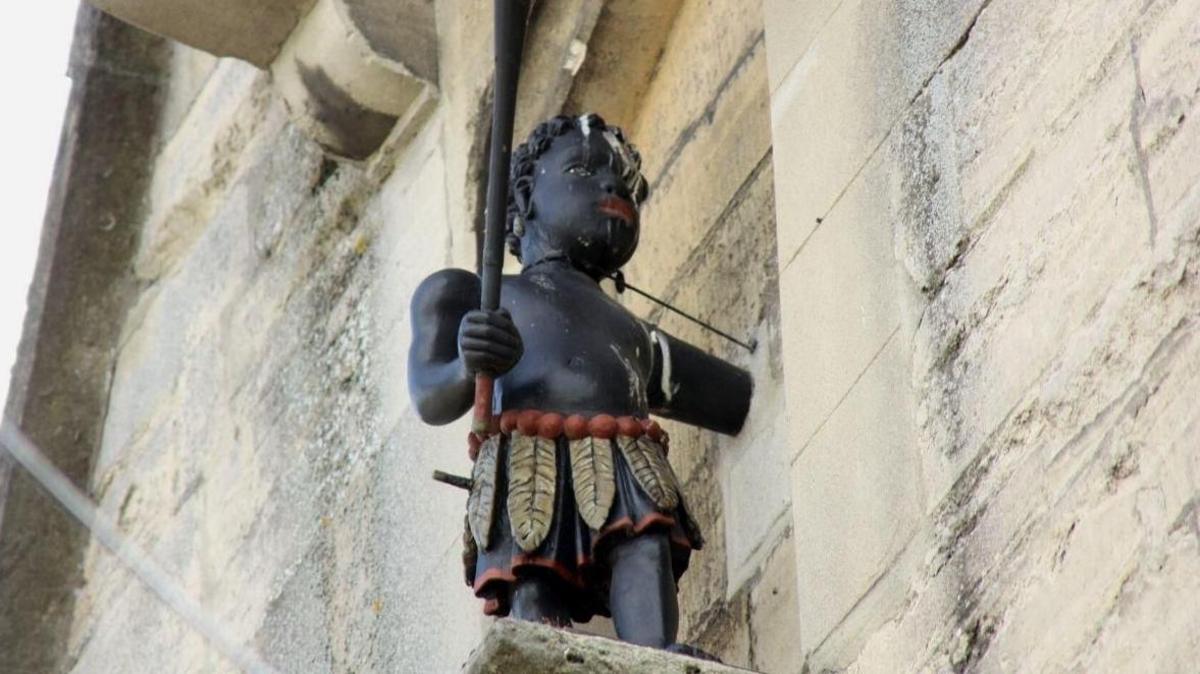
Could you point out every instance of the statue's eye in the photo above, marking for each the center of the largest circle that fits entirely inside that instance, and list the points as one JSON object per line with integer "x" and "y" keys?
{"x": 579, "y": 170}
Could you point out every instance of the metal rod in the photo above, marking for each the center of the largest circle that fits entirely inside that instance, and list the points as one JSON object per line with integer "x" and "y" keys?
{"x": 622, "y": 284}
{"x": 510, "y": 18}
{"x": 453, "y": 480}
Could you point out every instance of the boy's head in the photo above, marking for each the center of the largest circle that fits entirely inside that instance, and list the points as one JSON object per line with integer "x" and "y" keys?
{"x": 575, "y": 190}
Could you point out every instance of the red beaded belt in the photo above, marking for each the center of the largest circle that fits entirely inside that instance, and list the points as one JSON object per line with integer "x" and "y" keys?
{"x": 550, "y": 425}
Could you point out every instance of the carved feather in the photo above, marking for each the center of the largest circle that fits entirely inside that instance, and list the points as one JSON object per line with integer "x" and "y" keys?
{"x": 470, "y": 553}
{"x": 650, "y": 467}
{"x": 690, "y": 527}
{"x": 592, "y": 474}
{"x": 658, "y": 454}
{"x": 531, "y": 473}
{"x": 481, "y": 504}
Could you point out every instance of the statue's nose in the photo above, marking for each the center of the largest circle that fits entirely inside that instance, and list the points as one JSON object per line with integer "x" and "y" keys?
{"x": 613, "y": 185}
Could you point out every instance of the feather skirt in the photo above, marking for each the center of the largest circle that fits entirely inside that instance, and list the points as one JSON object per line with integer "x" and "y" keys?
{"x": 561, "y": 505}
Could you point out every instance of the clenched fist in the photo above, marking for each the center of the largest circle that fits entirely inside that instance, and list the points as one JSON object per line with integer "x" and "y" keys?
{"x": 488, "y": 342}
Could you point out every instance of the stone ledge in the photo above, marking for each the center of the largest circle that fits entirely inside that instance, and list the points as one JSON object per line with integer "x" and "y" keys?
{"x": 512, "y": 647}
{"x": 251, "y": 31}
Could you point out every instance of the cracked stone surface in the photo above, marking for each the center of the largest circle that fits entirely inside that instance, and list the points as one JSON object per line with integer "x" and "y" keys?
{"x": 988, "y": 279}
{"x": 512, "y": 647}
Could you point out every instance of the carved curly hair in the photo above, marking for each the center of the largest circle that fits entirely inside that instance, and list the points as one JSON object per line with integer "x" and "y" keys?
{"x": 524, "y": 160}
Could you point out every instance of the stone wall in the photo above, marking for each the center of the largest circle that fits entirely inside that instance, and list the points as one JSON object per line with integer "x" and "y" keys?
{"x": 81, "y": 291}
{"x": 258, "y": 440}
{"x": 989, "y": 218}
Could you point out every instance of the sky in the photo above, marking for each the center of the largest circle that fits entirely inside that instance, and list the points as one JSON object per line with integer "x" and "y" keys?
{"x": 35, "y": 41}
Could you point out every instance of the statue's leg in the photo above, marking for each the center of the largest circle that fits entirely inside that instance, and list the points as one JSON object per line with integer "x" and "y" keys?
{"x": 645, "y": 610}
{"x": 539, "y": 597}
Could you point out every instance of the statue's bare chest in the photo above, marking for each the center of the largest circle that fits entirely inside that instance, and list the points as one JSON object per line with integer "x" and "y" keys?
{"x": 583, "y": 351}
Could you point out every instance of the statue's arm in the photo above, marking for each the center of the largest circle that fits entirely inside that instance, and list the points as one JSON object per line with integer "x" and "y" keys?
{"x": 452, "y": 341}
{"x": 439, "y": 383}
{"x": 696, "y": 388}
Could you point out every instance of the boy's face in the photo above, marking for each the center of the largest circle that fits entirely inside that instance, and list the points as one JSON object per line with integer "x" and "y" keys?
{"x": 581, "y": 207}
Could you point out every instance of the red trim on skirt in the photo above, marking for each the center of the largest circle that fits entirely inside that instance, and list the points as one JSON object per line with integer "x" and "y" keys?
{"x": 623, "y": 525}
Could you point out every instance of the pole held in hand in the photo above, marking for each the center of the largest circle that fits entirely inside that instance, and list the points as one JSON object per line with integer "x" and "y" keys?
{"x": 510, "y": 19}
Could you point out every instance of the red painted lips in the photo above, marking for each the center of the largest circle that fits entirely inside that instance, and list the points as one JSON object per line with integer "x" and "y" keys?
{"x": 618, "y": 208}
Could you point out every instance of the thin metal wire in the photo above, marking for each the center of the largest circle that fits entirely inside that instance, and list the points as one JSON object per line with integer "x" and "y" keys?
{"x": 143, "y": 567}
{"x": 622, "y": 284}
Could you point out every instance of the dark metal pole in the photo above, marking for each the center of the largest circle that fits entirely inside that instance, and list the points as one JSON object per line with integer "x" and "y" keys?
{"x": 510, "y": 19}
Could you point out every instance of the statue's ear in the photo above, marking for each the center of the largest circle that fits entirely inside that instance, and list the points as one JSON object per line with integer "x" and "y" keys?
{"x": 641, "y": 191}
{"x": 523, "y": 196}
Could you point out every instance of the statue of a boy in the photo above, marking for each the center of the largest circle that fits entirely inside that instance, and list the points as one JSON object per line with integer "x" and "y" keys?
{"x": 574, "y": 510}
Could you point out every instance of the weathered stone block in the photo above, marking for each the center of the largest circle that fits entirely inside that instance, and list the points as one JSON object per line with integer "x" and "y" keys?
{"x": 400, "y": 31}
{"x": 79, "y": 295}
{"x": 791, "y": 26}
{"x": 842, "y": 98}
{"x": 710, "y": 46}
{"x": 1045, "y": 208}
{"x": 754, "y": 484}
{"x": 621, "y": 58}
{"x": 200, "y": 160}
{"x": 512, "y": 647}
{"x": 412, "y": 196}
{"x": 464, "y": 43}
{"x": 843, "y": 298}
{"x": 702, "y": 588}
{"x": 343, "y": 93}
{"x": 857, "y": 495}
{"x": 252, "y": 31}
{"x": 349, "y": 69}
{"x": 690, "y": 191}
{"x": 724, "y": 631}
{"x": 190, "y": 70}
{"x": 561, "y": 31}
{"x": 200, "y": 256}
{"x": 1007, "y": 305}
{"x": 775, "y": 613}
{"x": 1090, "y": 528}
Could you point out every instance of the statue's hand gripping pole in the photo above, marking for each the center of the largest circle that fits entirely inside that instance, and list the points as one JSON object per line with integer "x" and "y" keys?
{"x": 510, "y": 19}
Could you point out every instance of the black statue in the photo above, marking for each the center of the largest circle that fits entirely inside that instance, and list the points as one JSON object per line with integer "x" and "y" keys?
{"x": 574, "y": 510}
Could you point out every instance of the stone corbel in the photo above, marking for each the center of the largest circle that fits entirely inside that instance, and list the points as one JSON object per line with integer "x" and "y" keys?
{"x": 338, "y": 87}
{"x": 346, "y": 69}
